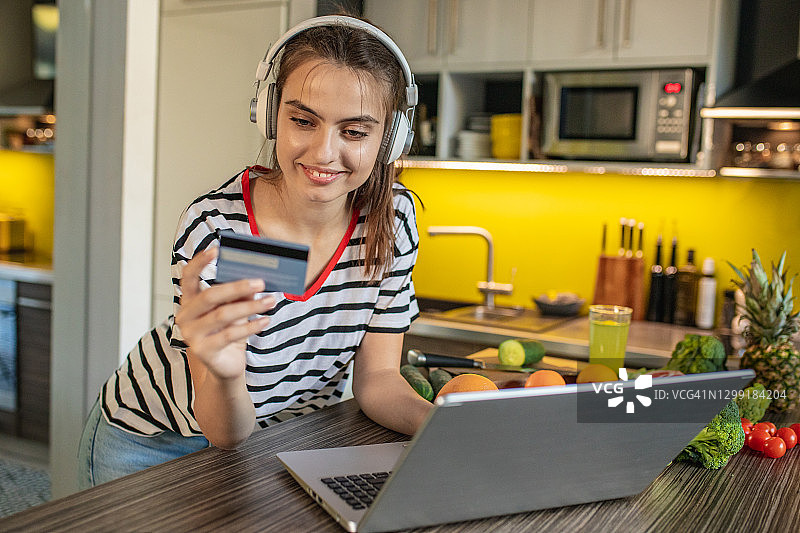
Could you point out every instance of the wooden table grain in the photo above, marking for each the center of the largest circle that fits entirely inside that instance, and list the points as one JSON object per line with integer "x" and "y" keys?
{"x": 248, "y": 490}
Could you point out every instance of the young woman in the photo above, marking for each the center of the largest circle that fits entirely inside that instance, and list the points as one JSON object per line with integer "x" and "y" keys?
{"x": 230, "y": 360}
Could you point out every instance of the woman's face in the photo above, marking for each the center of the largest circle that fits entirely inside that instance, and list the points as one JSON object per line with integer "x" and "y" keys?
{"x": 329, "y": 130}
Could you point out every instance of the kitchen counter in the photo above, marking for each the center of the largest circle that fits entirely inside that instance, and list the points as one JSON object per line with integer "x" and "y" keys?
{"x": 27, "y": 267}
{"x": 650, "y": 344}
{"x": 248, "y": 490}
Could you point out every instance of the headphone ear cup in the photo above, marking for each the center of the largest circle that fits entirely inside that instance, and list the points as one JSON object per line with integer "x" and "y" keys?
{"x": 398, "y": 140}
{"x": 271, "y": 130}
{"x": 262, "y": 105}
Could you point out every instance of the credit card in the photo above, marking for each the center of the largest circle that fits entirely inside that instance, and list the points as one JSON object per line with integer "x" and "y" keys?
{"x": 282, "y": 265}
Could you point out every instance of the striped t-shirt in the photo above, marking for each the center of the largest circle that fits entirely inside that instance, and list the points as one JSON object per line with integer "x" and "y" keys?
{"x": 299, "y": 363}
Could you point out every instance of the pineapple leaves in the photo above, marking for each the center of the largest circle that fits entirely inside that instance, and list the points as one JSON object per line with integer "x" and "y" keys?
{"x": 757, "y": 270}
{"x": 780, "y": 264}
{"x": 768, "y": 302}
{"x": 738, "y": 282}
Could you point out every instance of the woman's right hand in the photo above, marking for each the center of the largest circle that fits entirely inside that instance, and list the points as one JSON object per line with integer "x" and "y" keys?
{"x": 214, "y": 322}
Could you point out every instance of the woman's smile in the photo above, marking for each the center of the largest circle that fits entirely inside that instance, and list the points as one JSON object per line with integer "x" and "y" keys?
{"x": 321, "y": 176}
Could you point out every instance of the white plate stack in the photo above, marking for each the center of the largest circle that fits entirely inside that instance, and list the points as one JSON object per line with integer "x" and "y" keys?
{"x": 474, "y": 145}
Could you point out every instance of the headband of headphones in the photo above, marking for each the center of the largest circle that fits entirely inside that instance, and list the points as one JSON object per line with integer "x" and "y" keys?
{"x": 264, "y": 107}
{"x": 266, "y": 64}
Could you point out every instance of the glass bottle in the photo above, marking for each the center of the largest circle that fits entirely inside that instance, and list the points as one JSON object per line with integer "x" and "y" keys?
{"x": 706, "y": 296}
{"x": 686, "y": 292}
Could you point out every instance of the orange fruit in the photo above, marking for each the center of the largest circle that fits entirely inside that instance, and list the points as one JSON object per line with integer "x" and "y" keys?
{"x": 467, "y": 383}
{"x": 595, "y": 372}
{"x": 544, "y": 378}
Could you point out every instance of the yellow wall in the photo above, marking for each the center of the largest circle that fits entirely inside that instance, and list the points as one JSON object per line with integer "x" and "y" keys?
{"x": 27, "y": 189}
{"x": 549, "y": 226}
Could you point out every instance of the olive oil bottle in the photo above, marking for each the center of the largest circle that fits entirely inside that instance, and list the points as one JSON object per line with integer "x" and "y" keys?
{"x": 687, "y": 279}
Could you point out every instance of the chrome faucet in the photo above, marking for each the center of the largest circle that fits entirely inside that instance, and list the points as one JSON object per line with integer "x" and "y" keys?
{"x": 489, "y": 287}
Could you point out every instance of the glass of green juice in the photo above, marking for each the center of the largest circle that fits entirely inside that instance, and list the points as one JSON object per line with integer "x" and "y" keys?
{"x": 608, "y": 334}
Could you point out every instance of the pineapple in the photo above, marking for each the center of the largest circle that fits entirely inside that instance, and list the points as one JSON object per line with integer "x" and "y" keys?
{"x": 770, "y": 325}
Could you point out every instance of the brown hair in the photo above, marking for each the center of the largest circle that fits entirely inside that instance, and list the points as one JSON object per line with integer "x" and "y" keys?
{"x": 367, "y": 57}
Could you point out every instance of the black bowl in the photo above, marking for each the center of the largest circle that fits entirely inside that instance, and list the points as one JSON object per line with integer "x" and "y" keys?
{"x": 547, "y": 307}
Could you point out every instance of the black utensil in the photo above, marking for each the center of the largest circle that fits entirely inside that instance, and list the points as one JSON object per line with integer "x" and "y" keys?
{"x": 417, "y": 358}
{"x": 603, "y": 244}
{"x": 655, "y": 309}
{"x": 640, "y": 249}
{"x": 670, "y": 287}
{"x": 629, "y": 249}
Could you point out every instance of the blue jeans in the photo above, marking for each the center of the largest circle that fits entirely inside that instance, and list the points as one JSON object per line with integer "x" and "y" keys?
{"x": 107, "y": 452}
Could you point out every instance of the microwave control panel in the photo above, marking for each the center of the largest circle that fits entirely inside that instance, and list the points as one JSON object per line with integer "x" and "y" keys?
{"x": 673, "y": 115}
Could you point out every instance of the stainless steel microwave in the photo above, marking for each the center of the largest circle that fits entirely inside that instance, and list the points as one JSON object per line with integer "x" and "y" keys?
{"x": 634, "y": 115}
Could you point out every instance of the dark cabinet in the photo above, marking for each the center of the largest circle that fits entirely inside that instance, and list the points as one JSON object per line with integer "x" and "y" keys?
{"x": 33, "y": 360}
{"x": 25, "y": 322}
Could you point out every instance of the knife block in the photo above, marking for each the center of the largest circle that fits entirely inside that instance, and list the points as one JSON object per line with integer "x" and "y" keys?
{"x": 620, "y": 282}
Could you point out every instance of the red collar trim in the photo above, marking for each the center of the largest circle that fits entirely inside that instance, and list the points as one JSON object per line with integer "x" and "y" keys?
{"x": 247, "y": 200}
{"x": 332, "y": 263}
{"x": 312, "y": 290}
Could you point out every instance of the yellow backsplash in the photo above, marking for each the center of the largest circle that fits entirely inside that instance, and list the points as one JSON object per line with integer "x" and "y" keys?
{"x": 27, "y": 189}
{"x": 546, "y": 226}
{"x": 549, "y": 226}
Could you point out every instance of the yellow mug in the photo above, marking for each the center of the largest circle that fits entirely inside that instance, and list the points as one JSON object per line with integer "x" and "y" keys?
{"x": 506, "y": 135}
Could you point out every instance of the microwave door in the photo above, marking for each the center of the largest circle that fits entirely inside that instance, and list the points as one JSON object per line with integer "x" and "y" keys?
{"x": 603, "y": 122}
{"x": 601, "y": 115}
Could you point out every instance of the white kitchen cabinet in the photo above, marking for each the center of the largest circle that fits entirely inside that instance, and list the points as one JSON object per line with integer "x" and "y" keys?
{"x": 490, "y": 32}
{"x": 456, "y": 34}
{"x": 413, "y": 25}
{"x": 460, "y": 49}
{"x": 207, "y": 66}
{"x": 569, "y": 34}
{"x": 676, "y": 32}
{"x": 188, "y": 5}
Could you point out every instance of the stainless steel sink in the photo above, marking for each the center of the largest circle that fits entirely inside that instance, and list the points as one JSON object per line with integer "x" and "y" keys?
{"x": 481, "y": 312}
{"x": 505, "y": 317}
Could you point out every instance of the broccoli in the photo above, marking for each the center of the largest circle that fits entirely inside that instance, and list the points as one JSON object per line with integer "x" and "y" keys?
{"x": 753, "y": 402}
{"x": 722, "y": 438}
{"x": 698, "y": 353}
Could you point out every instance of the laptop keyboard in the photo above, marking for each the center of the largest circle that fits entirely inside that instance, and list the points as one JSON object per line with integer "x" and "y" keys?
{"x": 357, "y": 490}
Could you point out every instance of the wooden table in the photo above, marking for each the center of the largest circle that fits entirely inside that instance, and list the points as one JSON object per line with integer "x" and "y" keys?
{"x": 248, "y": 490}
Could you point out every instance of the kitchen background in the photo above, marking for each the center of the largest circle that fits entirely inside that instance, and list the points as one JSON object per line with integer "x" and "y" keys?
{"x": 547, "y": 226}
{"x": 27, "y": 182}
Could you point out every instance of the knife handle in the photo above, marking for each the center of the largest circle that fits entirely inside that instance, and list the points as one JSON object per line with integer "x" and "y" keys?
{"x": 417, "y": 358}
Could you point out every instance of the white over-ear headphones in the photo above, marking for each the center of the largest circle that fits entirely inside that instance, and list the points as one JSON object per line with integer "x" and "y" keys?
{"x": 264, "y": 107}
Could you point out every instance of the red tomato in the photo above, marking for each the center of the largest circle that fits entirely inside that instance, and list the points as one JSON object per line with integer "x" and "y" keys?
{"x": 746, "y": 422}
{"x": 789, "y": 437}
{"x": 796, "y": 429}
{"x": 747, "y": 426}
{"x": 769, "y": 427}
{"x": 774, "y": 447}
{"x": 756, "y": 439}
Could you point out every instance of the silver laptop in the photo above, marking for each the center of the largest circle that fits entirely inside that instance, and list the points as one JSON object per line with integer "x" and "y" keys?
{"x": 515, "y": 450}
